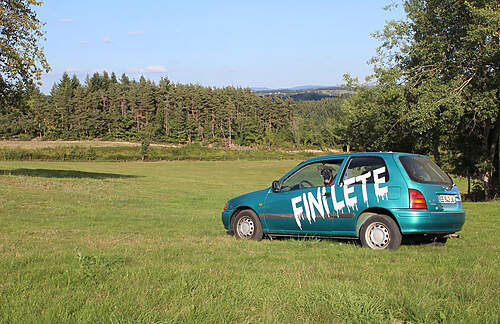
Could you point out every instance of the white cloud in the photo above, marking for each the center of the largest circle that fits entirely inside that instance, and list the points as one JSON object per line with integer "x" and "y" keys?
{"x": 66, "y": 20}
{"x": 156, "y": 68}
{"x": 149, "y": 69}
{"x": 135, "y": 33}
{"x": 107, "y": 40}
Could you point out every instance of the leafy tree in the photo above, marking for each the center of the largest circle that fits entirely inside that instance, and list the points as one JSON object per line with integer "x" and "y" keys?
{"x": 437, "y": 81}
{"x": 21, "y": 58}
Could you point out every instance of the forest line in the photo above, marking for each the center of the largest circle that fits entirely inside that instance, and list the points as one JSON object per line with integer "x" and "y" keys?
{"x": 106, "y": 107}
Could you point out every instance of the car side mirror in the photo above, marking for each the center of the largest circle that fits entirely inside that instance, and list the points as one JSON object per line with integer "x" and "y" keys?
{"x": 276, "y": 186}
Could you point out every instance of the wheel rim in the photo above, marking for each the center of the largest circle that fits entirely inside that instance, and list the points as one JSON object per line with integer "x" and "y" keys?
{"x": 245, "y": 227}
{"x": 377, "y": 236}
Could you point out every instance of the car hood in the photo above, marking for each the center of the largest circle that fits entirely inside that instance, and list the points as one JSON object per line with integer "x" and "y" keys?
{"x": 248, "y": 199}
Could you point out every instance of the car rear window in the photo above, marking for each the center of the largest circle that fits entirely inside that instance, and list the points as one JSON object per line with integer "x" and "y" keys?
{"x": 424, "y": 170}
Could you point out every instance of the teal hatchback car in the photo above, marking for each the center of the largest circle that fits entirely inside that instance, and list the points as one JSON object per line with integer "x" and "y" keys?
{"x": 376, "y": 197}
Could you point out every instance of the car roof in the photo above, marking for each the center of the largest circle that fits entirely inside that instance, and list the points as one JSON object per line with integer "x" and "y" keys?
{"x": 348, "y": 155}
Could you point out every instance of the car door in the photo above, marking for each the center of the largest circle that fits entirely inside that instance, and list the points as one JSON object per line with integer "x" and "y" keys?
{"x": 303, "y": 205}
{"x": 364, "y": 184}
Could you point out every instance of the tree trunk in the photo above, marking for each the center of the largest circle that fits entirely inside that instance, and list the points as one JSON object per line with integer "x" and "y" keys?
{"x": 103, "y": 103}
{"x": 491, "y": 138}
{"x": 468, "y": 183}
{"x": 494, "y": 140}
{"x": 230, "y": 129}
{"x": 166, "y": 115}
{"x": 486, "y": 186}
{"x": 213, "y": 125}
{"x": 269, "y": 123}
{"x": 198, "y": 123}
{"x": 222, "y": 130}
{"x": 123, "y": 106}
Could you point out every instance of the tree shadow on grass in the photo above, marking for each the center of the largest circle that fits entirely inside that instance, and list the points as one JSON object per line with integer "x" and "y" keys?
{"x": 48, "y": 173}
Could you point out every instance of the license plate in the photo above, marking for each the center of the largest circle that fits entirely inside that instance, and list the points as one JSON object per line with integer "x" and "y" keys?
{"x": 447, "y": 199}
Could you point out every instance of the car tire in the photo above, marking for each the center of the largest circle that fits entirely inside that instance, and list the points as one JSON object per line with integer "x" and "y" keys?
{"x": 246, "y": 225}
{"x": 380, "y": 232}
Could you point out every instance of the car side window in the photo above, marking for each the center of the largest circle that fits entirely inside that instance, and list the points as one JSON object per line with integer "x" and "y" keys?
{"x": 363, "y": 164}
{"x": 310, "y": 176}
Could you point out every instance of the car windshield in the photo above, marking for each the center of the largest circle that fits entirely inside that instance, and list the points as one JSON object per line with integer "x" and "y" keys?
{"x": 424, "y": 170}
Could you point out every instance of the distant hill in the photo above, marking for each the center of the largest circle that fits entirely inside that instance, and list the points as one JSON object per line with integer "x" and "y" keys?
{"x": 307, "y": 92}
{"x": 257, "y": 89}
{"x": 309, "y": 96}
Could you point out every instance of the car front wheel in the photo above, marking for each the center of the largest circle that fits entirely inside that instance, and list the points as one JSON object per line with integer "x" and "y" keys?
{"x": 246, "y": 225}
{"x": 380, "y": 232}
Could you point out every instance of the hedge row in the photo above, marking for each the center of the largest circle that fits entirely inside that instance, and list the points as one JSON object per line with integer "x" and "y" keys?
{"x": 133, "y": 153}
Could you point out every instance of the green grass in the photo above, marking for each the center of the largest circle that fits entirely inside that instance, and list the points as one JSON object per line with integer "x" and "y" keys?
{"x": 143, "y": 242}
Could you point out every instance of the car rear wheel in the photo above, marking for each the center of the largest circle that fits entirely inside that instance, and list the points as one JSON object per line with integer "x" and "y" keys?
{"x": 380, "y": 232}
{"x": 246, "y": 225}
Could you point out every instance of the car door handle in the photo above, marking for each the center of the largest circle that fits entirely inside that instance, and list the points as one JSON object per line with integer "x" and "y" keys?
{"x": 327, "y": 194}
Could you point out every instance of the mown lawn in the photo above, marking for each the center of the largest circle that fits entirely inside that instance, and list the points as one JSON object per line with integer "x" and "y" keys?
{"x": 143, "y": 242}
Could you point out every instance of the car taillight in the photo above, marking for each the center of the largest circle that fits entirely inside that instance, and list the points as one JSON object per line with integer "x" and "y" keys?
{"x": 417, "y": 199}
{"x": 225, "y": 206}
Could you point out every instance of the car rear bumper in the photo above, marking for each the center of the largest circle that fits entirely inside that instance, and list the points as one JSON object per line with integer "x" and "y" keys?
{"x": 423, "y": 221}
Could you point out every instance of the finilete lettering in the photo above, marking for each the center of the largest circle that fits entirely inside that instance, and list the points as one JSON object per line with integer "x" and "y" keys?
{"x": 310, "y": 206}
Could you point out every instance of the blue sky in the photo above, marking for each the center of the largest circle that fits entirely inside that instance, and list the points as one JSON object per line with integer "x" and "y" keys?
{"x": 272, "y": 44}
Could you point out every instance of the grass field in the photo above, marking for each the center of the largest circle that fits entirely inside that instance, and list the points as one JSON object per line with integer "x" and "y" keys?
{"x": 143, "y": 242}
